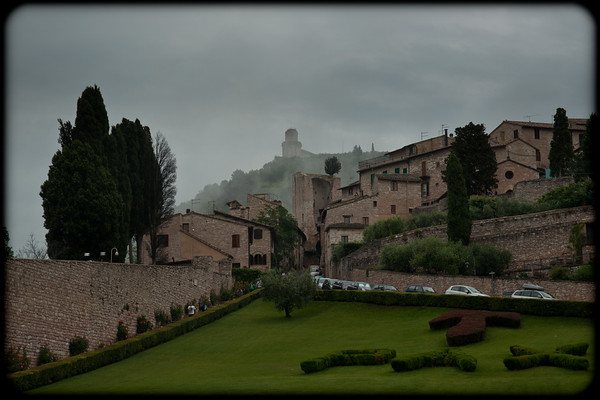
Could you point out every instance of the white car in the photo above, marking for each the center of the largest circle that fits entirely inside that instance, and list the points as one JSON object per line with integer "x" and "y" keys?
{"x": 532, "y": 294}
{"x": 465, "y": 290}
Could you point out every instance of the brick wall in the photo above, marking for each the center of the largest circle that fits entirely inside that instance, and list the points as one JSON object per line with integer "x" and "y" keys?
{"x": 54, "y": 301}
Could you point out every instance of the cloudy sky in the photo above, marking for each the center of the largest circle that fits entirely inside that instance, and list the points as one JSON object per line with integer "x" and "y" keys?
{"x": 223, "y": 84}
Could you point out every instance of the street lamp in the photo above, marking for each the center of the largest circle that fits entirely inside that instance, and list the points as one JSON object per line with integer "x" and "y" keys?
{"x": 111, "y": 253}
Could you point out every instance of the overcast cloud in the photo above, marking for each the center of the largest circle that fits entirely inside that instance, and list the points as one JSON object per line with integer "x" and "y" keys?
{"x": 223, "y": 84}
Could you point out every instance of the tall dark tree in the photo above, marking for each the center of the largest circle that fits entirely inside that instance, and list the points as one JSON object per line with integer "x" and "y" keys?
{"x": 137, "y": 142}
{"x": 83, "y": 207}
{"x": 561, "y": 154}
{"x": 583, "y": 158}
{"x": 477, "y": 158}
{"x": 332, "y": 166}
{"x": 161, "y": 192}
{"x": 459, "y": 223}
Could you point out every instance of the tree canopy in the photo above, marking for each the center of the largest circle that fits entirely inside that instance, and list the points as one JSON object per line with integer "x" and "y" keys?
{"x": 477, "y": 158}
{"x": 561, "y": 154}
{"x": 291, "y": 291}
{"x": 332, "y": 166}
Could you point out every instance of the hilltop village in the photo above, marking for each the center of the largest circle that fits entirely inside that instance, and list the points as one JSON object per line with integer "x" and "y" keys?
{"x": 400, "y": 183}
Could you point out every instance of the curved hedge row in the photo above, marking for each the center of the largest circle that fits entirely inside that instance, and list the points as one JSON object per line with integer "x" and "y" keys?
{"x": 568, "y": 356}
{"x": 348, "y": 357}
{"x": 565, "y": 308}
{"x": 52, "y": 372}
{"x": 468, "y": 326}
{"x": 440, "y": 358}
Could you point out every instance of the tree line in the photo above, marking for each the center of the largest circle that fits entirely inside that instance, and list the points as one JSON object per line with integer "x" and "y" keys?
{"x": 107, "y": 186}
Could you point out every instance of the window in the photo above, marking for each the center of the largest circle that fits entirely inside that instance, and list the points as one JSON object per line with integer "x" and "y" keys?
{"x": 163, "y": 240}
{"x": 405, "y": 170}
{"x": 538, "y": 155}
{"x": 424, "y": 189}
{"x": 260, "y": 259}
{"x": 516, "y": 133}
{"x": 394, "y": 186}
{"x": 344, "y": 239}
{"x": 393, "y": 209}
{"x": 536, "y": 133}
{"x": 397, "y": 170}
{"x": 365, "y": 220}
{"x": 235, "y": 240}
{"x": 346, "y": 219}
{"x": 509, "y": 174}
{"x": 186, "y": 227}
{"x": 375, "y": 203}
{"x": 258, "y": 233}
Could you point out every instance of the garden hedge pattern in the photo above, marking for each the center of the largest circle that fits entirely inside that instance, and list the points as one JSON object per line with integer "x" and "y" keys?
{"x": 567, "y": 356}
{"x": 440, "y": 358}
{"x": 468, "y": 326}
{"x": 348, "y": 357}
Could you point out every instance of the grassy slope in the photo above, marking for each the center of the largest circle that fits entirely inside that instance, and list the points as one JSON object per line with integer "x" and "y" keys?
{"x": 256, "y": 350}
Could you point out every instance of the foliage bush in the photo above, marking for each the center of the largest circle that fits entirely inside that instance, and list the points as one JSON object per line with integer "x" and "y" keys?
{"x": 566, "y": 356}
{"x": 573, "y": 195}
{"x": 78, "y": 345}
{"x": 584, "y": 273}
{"x": 559, "y": 273}
{"x": 439, "y": 358}
{"x": 246, "y": 274}
{"x": 176, "y": 312}
{"x": 341, "y": 250}
{"x": 16, "y": 359}
{"x": 161, "y": 318}
{"x": 142, "y": 324}
{"x": 383, "y": 228}
{"x": 46, "y": 355}
{"x": 468, "y": 326}
{"x": 348, "y": 357}
{"x": 122, "y": 331}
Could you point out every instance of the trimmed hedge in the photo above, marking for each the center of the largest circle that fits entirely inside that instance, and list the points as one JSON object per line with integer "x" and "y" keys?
{"x": 348, "y": 357}
{"x": 548, "y": 308}
{"x": 468, "y": 326}
{"x": 86, "y": 362}
{"x": 567, "y": 356}
{"x": 440, "y": 358}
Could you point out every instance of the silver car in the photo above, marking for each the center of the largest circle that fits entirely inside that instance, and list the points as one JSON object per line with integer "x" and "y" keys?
{"x": 532, "y": 294}
{"x": 464, "y": 290}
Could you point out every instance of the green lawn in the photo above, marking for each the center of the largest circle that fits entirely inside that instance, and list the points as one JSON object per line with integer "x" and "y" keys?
{"x": 256, "y": 350}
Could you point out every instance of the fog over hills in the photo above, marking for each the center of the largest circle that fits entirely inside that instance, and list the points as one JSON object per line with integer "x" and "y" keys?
{"x": 274, "y": 178}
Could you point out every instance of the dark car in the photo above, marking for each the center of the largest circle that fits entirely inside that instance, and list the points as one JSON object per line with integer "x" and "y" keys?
{"x": 420, "y": 289}
{"x": 385, "y": 288}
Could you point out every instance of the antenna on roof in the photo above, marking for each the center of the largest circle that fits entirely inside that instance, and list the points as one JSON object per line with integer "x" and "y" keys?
{"x": 424, "y": 135}
{"x": 529, "y": 117}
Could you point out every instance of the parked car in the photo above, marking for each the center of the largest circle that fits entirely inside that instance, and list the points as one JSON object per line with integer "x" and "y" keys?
{"x": 364, "y": 286}
{"x": 314, "y": 270}
{"x": 420, "y": 289}
{"x": 464, "y": 290}
{"x": 384, "y": 288}
{"x": 532, "y": 294}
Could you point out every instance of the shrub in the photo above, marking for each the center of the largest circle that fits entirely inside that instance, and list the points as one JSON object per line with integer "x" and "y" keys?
{"x": 78, "y": 345}
{"x": 383, "y": 228}
{"x": 176, "y": 312}
{"x": 440, "y": 358}
{"x": 142, "y": 325}
{"x": 161, "y": 318}
{"x": 246, "y": 274}
{"x": 578, "y": 349}
{"x": 341, "y": 250}
{"x": 559, "y": 273}
{"x": 46, "y": 355}
{"x": 15, "y": 359}
{"x": 485, "y": 258}
{"x": 468, "y": 326}
{"x": 396, "y": 257}
{"x": 348, "y": 357}
{"x": 122, "y": 332}
{"x": 584, "y": 273}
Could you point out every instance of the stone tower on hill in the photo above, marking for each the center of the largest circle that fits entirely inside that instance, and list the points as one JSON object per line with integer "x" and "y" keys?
{"x": 292, "y": 147}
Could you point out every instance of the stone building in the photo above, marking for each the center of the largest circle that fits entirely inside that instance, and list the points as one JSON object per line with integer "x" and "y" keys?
{"x": 291, "y": 147}
{"x": 410, "y": 180}
{"x": 221, "y": 236}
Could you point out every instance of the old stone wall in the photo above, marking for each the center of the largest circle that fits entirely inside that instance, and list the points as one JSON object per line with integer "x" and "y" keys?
{"x": 534, "y": 240}
{"x": 564, "y": 290}
{"x": 53, "y": 301}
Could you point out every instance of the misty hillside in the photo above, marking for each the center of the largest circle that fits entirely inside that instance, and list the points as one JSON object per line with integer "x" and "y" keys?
{"x": 274, "y": 178}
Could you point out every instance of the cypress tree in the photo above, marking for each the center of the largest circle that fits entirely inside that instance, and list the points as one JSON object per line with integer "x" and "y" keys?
{"x": 561, "y": 154}
{"x": 459, "y": 223}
